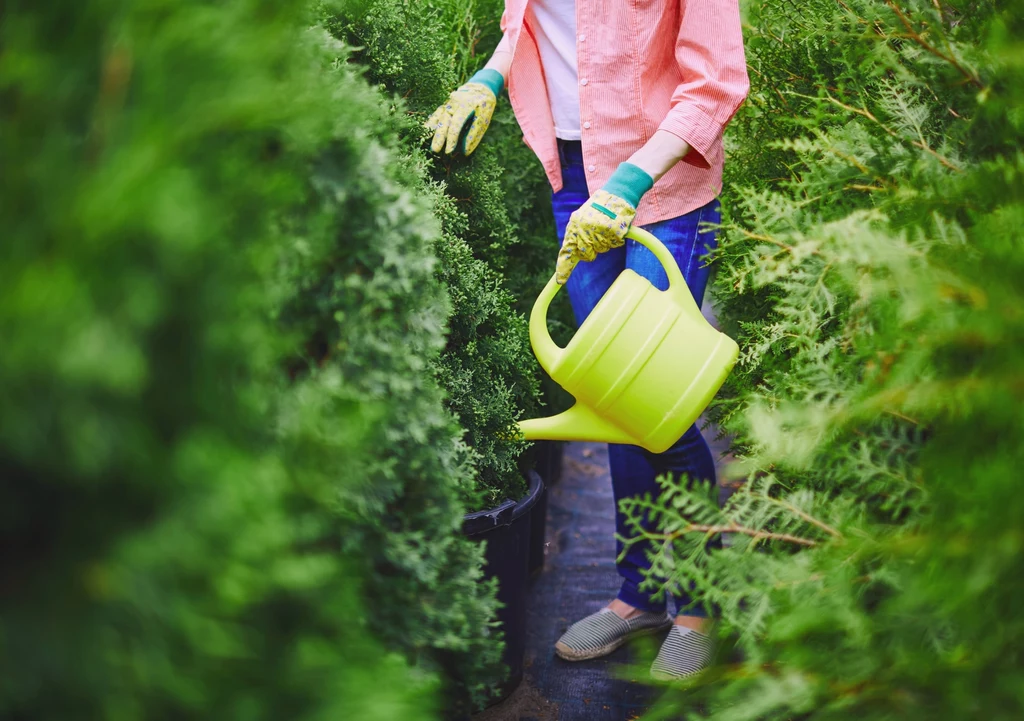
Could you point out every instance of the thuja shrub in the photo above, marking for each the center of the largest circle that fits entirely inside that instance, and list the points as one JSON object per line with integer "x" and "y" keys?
{"x": 171, "y": 533}
{"x": 871, "y": 273}
{"x": 364, "y": 295}
{"x": 528, "y": 262}
{"x": 494, "y": 208}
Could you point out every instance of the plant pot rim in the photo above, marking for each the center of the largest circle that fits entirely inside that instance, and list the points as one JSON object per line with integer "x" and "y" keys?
{"x": 506, "y": 512}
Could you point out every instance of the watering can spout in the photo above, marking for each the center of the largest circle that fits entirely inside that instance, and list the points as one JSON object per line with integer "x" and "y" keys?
{"x": 579, "y": 423}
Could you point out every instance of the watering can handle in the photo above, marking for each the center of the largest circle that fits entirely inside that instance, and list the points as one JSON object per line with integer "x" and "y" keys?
{"x": 547, "y": 351}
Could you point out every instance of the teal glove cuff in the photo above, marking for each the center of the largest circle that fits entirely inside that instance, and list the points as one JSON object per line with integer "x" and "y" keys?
{"x": 491, "y": 78}
{"x": 629, "y": 183}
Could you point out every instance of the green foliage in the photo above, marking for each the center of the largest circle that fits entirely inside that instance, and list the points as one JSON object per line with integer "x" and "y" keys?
{"x": 421, "y": 51}
{"x": 871, "y": 270}
{"x": 230, "y": 487}
{"x": 366, "y": 300}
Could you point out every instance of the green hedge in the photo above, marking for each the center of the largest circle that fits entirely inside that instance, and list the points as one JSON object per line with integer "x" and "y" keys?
{"x": 230, "y": 486}
{"x": 499, "y": 208}
{"x": 366, "y": 299}
{"x": 870, "y": 269}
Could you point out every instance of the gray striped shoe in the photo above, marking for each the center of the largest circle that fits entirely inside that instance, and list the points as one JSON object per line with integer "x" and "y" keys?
{"x": 685, "y": 653}
{"x": 601, "y": 633}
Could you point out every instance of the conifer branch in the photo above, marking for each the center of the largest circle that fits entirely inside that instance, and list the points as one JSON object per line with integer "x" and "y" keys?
{"x": 117, "y": 70}
{"x": 864, "y": 112}
{"x": 797, "y": 512}
{"x": 727, "y": 528}
{"x": 778, "y": 585}
{"x": 883, "y": 184}
{"x": 768, "y": 239}
{"x": 771, "y": 86}
{"x": 851, "y": 160}
{"x": 902, "y": 417}
{"x": 913, "y": 34}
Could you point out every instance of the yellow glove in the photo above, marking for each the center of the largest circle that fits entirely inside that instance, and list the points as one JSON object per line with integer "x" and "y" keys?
{"x": 602, "y": 222}
{"x": 473, "y": 101}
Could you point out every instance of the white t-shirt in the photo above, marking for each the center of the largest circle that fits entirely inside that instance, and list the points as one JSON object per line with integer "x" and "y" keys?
{"x": 554, "y": 22}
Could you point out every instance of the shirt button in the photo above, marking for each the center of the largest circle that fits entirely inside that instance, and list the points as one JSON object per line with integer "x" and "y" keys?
{"x": 586, "y": 124}
{"x": 591, "y": 168}
{"x": 584, "y": 81}
{"x": 581, "y": 37}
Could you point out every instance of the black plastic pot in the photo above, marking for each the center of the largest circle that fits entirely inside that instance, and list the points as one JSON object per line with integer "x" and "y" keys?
{"x": 538, "y": 529}
{"x": 506, "y": 529}
{"x": 548, "y": 457}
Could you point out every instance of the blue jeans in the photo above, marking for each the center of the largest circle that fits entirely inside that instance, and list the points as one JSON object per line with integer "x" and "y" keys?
{"x": 634, "y": 469}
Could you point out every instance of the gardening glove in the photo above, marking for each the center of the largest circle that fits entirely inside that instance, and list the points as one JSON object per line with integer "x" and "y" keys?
{"x": 474, "y": 102}
{"x": 602, "y": 222}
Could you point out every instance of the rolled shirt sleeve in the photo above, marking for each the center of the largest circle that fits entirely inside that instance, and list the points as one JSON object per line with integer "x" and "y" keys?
{"x": 709, "y": 52}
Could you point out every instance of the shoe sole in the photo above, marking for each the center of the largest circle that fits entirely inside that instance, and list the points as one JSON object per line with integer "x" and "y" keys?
{"x": 570, "y": 654}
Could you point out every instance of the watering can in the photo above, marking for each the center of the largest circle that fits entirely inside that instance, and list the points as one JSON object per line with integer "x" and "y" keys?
{"x": 642, "y": 366}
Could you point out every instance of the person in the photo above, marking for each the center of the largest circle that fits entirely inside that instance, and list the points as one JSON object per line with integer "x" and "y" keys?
{"x": 624, "y": 105}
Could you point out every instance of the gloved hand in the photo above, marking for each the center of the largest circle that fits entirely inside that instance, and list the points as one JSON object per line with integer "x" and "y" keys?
{"x": 475, "y": 100}
{"x": 602, "y": 222}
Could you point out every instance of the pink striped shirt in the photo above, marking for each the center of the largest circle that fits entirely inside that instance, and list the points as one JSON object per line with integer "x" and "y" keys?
{"x": 644, "y": 65}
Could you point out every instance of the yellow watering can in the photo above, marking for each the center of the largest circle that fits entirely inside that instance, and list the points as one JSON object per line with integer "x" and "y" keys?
{"x": 642, "y": 366}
